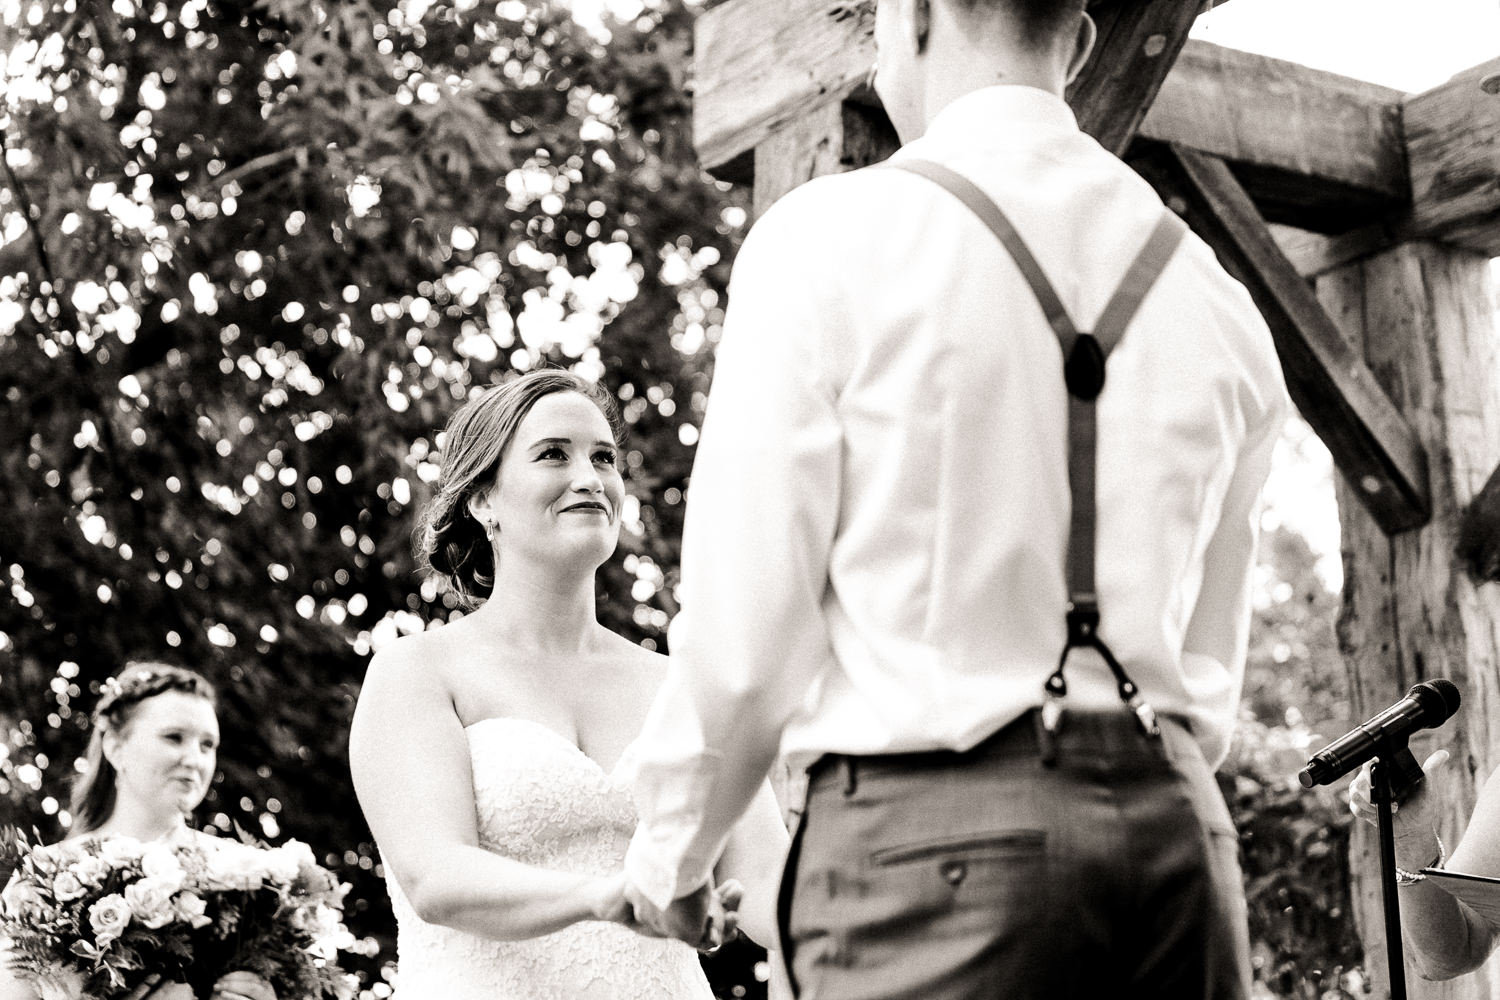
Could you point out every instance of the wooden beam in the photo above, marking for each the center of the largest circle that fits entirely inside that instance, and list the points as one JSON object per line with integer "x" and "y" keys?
{"x": 1315, "y": 150}
{"x": 1453, "y": 141}
{"x": 759, "y": 64}
{"x": 1337, "y": 394}
{"x": 1320, "y": 151}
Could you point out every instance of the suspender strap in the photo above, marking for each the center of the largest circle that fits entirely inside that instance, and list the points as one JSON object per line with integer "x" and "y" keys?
{"x": 1139, "y": 279}
{"x": 1083, "y": 434}
{"x": 1084, "y": 357}
{"x": 980, "y": 204}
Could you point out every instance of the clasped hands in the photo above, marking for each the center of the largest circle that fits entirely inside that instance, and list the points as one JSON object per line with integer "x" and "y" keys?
{"x": 705, "y": 919}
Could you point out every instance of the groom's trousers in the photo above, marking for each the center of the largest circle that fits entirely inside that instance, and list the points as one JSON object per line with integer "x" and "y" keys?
{"x": 1112, "y": 872}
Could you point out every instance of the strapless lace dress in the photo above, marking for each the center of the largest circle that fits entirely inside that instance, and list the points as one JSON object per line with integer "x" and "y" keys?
{"x": 542, "y": 801}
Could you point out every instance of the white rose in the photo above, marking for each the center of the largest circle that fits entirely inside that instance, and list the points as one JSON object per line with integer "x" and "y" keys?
{"x": 67, "y": 887}
{"x": 90, "y": 870}
{"x": 234, "y": 866}
{"x": 120, "y": 851}
{"x": 108, "y": 918}
{"x": 160, "y": 862}
{"x": 150, "y": 900}
{"x": 190, "y": 908}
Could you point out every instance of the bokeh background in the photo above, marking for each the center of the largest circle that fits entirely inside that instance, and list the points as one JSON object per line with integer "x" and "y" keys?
{"x": 252, "y": 254}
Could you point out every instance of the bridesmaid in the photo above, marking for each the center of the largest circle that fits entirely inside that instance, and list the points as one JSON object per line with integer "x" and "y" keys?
{"x": 150, "y": 759}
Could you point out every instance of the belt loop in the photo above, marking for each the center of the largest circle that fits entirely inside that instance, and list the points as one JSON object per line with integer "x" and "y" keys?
{"x": 851, "y": 777}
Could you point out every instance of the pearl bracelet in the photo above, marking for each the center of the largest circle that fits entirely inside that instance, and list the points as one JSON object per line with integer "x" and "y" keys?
{"x": 1404, "y": 877}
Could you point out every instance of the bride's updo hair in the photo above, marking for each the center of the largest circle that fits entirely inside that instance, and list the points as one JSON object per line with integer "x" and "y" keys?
{"x": 449, "y": 540}
{"x": 94, "y": 791}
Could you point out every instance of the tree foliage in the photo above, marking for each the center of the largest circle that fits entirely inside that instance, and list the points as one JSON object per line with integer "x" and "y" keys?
{"x": 1294, "y": 842}
{"x": 251, "y": 257}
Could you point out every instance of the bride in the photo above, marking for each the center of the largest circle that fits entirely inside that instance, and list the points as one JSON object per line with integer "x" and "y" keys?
{"x": 484, "y": 752}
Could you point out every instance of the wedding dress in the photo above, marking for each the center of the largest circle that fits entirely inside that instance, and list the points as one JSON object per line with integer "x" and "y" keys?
{"x": 542, "y": 801}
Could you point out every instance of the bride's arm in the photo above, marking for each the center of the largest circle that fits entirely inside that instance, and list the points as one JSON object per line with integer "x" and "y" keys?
{"x": 754, "y": 857}
{"x": 410, "y": 763}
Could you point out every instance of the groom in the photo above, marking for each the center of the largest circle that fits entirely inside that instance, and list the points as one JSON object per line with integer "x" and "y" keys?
{"x": 1003, "y": 613}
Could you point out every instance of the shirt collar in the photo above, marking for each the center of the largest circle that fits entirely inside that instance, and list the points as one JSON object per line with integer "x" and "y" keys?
{"x": 990, "y": 108}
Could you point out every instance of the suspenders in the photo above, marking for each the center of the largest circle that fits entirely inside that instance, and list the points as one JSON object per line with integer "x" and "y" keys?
{"x": 1084, "y": 356}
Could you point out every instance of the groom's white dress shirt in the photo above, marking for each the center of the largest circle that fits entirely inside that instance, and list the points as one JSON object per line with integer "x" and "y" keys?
{"x": 873, "y": 557}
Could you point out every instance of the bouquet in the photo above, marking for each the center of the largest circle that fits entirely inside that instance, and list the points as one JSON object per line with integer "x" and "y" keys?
{"x": 94, "y": 918}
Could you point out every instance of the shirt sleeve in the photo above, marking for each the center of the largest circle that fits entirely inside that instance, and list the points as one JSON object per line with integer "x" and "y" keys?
{"x": 751, "y": 638}
{"x": 1218, "y": 633}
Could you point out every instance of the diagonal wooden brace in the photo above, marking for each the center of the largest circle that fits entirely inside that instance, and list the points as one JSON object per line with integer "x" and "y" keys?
{"x": 1137, "y": 45}
{"x": 1372, "y": 444}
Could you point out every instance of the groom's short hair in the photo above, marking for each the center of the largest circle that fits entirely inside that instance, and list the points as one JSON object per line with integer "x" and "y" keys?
{"x": 1038, "y": 20}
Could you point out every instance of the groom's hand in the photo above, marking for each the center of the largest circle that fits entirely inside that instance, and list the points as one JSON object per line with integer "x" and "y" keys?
{"x": 699, "y": 918}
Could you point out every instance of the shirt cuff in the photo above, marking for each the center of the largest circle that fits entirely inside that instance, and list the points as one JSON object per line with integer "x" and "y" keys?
{"x": 667, "y": 858}
{"x": 648, "y": 869}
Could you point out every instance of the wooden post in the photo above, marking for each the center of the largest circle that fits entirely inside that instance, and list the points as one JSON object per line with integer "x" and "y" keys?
{"x": 1421, "y": 315}
{"x": 840, "y": 135}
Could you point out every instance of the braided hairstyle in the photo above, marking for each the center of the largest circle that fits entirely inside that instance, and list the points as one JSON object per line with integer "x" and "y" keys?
{"x": 94, "y": 790}
{"x": 449, "y": 539}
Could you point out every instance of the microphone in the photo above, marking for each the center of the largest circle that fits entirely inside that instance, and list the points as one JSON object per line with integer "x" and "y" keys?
{"x": 1425, "y": 706}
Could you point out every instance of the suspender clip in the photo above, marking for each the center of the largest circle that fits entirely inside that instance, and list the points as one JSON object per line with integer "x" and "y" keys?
{"x": 1144, "y": 713}
{"x": 1049, "y": 718}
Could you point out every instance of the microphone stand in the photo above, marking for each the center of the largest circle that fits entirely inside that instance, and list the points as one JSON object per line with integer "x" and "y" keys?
{"x": 1380, "y": 791}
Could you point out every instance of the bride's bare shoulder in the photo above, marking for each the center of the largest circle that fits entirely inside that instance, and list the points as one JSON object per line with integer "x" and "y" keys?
{"x": 421, "y": 654}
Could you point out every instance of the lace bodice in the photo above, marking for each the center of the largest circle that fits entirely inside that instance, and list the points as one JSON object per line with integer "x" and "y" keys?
{"x": 542, "y": 801}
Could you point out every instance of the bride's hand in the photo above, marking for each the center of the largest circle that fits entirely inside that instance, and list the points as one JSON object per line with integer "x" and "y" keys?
{"x": 243, "y": 986}
{"x": 607, "y": 901}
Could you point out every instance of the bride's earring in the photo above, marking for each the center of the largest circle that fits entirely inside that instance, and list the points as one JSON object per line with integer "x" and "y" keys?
{"x": 489, "y": 529}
